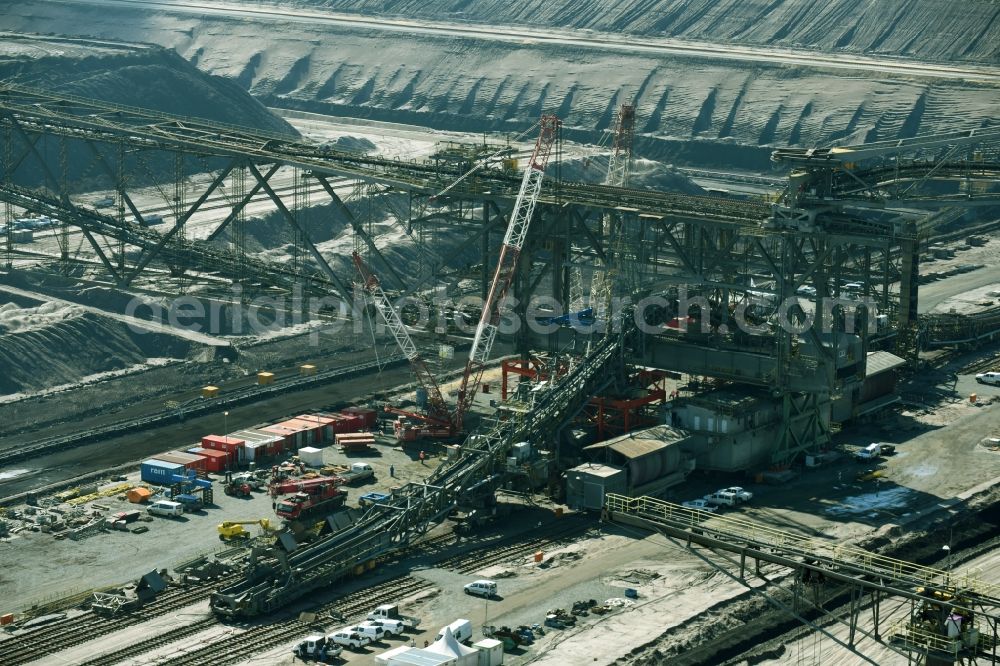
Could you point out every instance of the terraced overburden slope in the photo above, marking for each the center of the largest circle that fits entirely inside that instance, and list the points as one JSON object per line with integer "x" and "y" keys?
{"x": 925, "y": 29}
{"x": 734, "y": 109}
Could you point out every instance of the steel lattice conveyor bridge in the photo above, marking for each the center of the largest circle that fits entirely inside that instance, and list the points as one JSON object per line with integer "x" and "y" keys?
{"x": 933, "y": 594}
{"x": 33, "y": 111}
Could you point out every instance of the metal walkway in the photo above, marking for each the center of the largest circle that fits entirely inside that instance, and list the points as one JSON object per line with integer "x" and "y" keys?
{"x": 741, "y": 535}
{"x": 934, "y": 596}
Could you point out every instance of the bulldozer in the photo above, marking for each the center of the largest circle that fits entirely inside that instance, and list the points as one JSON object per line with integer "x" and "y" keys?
{"x": 233, "y": 530}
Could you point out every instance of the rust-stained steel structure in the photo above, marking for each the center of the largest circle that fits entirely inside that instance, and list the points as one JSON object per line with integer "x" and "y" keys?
{"x": 837, "y": 243}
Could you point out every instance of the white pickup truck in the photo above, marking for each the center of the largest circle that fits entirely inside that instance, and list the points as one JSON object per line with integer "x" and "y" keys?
{"x": 319, "y": 648}
{"x": 371, "y": 632}
{"x": 391, "y": 612}
{"x": 348, "y": 639}
{"x": 390, "y": 627}
{"x": 356, "y": 473}
{"x": 741, "y": 494}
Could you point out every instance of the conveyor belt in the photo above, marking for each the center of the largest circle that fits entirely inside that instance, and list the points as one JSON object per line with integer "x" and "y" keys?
{"x": 828, "y": 556}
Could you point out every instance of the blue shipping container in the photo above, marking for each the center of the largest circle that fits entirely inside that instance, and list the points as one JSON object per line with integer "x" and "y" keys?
{"x": 159, "y": 471}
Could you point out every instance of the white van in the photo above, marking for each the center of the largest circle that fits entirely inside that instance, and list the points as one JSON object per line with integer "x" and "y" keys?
{"x": 166, "y": 508}
{"x": 870, "y": 452}
{"x": 460, "y": 629}
{"x": 722, "y": 498}
{"x": 482, "y": 588}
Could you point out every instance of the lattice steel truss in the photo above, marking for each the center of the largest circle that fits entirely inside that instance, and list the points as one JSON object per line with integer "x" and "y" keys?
{"x": 828, "y": 230}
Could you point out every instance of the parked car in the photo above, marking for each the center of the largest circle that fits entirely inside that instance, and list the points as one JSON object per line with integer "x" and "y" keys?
{"x": 149, "y": 220}
{"x": 348, "y": 639}
{"x": 870, "y": 452}
{"x": 887, "y": 449}
{"x": 722, "y": 498}
{"x": 700, "y": 505}
{"x": 988, "y": 378}
{"x": 166, "y": 508}
{"x": 482, "y": 588}
{"x": 741, "y": 494}
{"x": 391, "y": 612}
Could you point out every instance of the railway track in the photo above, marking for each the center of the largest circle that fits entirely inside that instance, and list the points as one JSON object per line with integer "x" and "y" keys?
{"x": 980, "y": 365}
{"x": 152, "y": 643}
{"x": 467, "y": 563}
{"x": 37, "y": 644}
{"x": 235, "y": 648}
{"x": 194, "y": 408}
{"x": 45, "y": 641}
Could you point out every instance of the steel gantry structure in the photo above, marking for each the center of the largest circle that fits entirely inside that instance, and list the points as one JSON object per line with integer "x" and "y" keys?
{"x": 759, "y": 289}
{"x": 925, "y": 614}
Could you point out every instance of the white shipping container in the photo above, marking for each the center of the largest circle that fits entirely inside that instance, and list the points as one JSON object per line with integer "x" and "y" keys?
{"x": 311, "y": 456}
{"x": 251, "y": 449}
{"x": 490, "y": 652}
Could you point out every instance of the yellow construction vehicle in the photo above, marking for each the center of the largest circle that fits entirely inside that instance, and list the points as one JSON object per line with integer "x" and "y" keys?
{"x": 232, "y": 530}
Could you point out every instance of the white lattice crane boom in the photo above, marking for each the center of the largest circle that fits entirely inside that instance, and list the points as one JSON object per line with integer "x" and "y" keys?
{"x": 619, "y": 170}
{"x": 371, "y": 285}
{"x": 620, "y": 162}
{"x": 513, "y": 242}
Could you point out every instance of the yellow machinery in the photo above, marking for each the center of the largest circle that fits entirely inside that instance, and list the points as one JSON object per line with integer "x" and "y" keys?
{"x": 233, "y": 530}
{"x": 100, "y": 494}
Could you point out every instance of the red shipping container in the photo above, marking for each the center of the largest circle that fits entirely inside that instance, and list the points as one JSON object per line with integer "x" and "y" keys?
{"x": 313, "y": 429}
{"x": 287, "y": 436}
{"x": 326, "y": 425}
{"x": 189, "y": 460}
{"x": 306, "y": 432}
{"x": 215, "y": 461}
{"x": 265, "y": 443}
{"x": 349, "y": 422}
{"x": 300, "y": 433}
{"x": 339, "y": 422}
{"x": 368, "y": 416}
{"x": 274, "y": 444}
{"x": 230, "y": 445}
